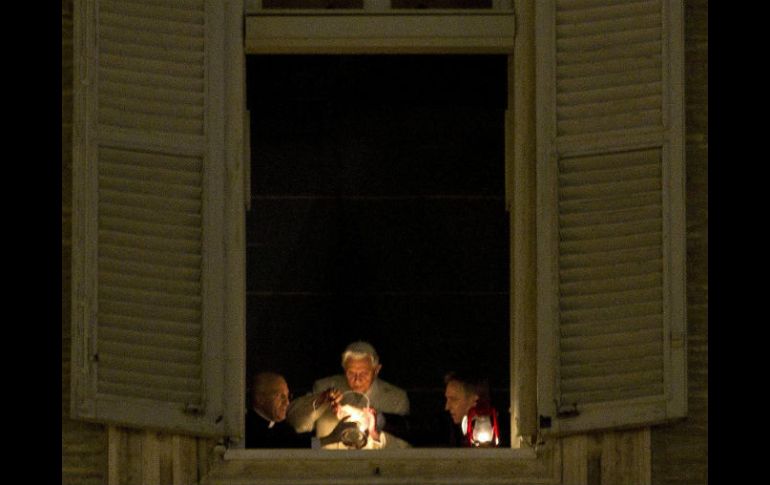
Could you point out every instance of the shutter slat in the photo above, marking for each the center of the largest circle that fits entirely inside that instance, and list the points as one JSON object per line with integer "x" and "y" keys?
{"x": 631, "y": 324}
{"x": 649, "y": 377}
{"x": 625, "y": 338}
{"x": 596, "y": 124}
{"x": 184, "y": 315}
{"x": 128, "y": 79}
{"x": 192, "y": 12}
{"x": 166, "y": 40}
{"x": 587, "y": 218}
{"x": 160, "y": 106}
{"x": 625, "y": 161}
{"x": 640, "y": 241}
{"x": 567, "y": 42}
{"x": 151, "y": 325}
{"x": 147, "y": 352}
{"x": 587, "y": 263}
{"x": 571, "y": 12}
{"x": 184, "y": 73}
{"x": 609, "y": 67}
{"x": 611, "y": 368}
{"x": 182, "y": 219}
{"x": 152, "y": 100}
{"x": 151, "y": 202}
{"x": 606, "y": 94}
{"x": 152, "y": 243}
{"x": 610, "y": 265}
{"x": 629, "y": 52}
{"x": 110, "y": 45}
{"x": 622, "y": 283}
{"x": 149, "y": 229}
{"x": 585, "y": 232}
{"x": 161, "y": 285}
{"x": 162, "y": 260}
{"x": 621, "y": 393}
{"x": 151, "y": 339}
{"x": 612, "y": 24}
{"x": 608, "y": 299}
{"x": 621, "y": 353}
{"x": 641, "y": 309}
{"x": 608, "y": 190}
{"x": 157, "y": 175}
{"x": 610, "y": 108}
{"x": 631, "y": 201}
{"x": 172, "y": 272}
{"x": 166, "y": 124}
{"x": 110, "y": 291}
{"x": 184, "y": 166}
{"x": 149, "y": 367}
{"x": 146, "y": 392}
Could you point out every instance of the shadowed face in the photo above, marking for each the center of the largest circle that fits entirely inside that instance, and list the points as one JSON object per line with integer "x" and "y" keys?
{"x": 272, "y": 398}
{"x": 458, "y": 402}
{"x": 360, "y": 373}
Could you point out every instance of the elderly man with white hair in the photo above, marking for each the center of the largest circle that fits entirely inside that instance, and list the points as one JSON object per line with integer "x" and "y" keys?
{"x": 319, "y": 410}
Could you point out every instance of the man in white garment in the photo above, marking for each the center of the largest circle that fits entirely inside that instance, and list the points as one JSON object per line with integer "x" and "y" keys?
{"x": 362, "y": 366}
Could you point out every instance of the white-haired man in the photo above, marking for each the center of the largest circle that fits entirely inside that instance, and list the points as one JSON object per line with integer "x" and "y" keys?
{"x": 362, "y": 366}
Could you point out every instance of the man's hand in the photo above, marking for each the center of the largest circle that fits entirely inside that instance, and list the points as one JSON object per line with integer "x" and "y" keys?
{"x": 331, "y": 396}
{"x": 373, "y": 431}
{"x": 336, "y": 434}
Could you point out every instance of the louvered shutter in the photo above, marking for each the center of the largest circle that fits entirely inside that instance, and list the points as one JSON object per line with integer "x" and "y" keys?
{"x": 611, "y": 301}
{"x": 148, "y": 284}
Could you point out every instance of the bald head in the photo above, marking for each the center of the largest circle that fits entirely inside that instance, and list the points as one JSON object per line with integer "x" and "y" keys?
{"x": 270, "y": 395}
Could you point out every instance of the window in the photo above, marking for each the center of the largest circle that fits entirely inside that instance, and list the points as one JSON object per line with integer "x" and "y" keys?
{"x": 165, "y": 126}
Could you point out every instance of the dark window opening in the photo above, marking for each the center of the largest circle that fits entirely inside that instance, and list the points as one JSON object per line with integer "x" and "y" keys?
{"x": 378, "y": 214}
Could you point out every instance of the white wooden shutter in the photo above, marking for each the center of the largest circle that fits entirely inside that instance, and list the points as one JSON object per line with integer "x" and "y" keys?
{"x": 148, "y": 285}
{"x": 611, "y": 300}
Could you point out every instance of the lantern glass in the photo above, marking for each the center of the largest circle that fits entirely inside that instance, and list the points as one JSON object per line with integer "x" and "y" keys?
{"x": 353, "y": 404}
{"x": 483, "y": 432}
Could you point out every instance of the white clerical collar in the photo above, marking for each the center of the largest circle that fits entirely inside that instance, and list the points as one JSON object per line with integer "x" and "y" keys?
{"x": 270, "y": 422}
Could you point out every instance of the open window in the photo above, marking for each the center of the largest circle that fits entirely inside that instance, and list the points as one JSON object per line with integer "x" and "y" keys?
{"x": 378, "y": 213}
{"x": 158, "y": 211}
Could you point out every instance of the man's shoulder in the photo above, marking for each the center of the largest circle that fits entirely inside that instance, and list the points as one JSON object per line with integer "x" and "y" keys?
{"x": 336, "y": 381}
{"x": 390, "y": 392}
{"x": 387, "y": 387}
{"x": 390, "y": 398}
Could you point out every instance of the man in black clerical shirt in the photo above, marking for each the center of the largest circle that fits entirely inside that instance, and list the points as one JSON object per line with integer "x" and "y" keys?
{"x": 266, "y": 425}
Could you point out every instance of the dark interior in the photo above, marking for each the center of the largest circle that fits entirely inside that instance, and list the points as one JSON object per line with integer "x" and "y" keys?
{"x": 378, "y": 213}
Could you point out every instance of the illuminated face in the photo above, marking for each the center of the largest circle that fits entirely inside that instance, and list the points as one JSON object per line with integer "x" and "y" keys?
{"x": 458, "y": 402}
{"x": 273, "y": 399}
{"x": 360, "y": 373}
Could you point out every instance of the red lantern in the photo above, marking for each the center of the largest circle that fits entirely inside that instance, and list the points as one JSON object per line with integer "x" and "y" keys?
{"x": 480, "y": 426}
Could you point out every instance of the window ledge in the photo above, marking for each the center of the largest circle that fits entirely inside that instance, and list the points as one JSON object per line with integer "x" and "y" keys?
{"x": 425, "y": 465}
{"x": 386, "y": 455}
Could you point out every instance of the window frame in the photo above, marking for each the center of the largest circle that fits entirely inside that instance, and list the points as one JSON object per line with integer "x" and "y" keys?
{"x": 523, "y": 460}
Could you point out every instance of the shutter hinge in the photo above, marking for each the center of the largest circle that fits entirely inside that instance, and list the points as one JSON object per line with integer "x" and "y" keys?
{"x": 545, "y": 422}
{"x": 567, "y": 411}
